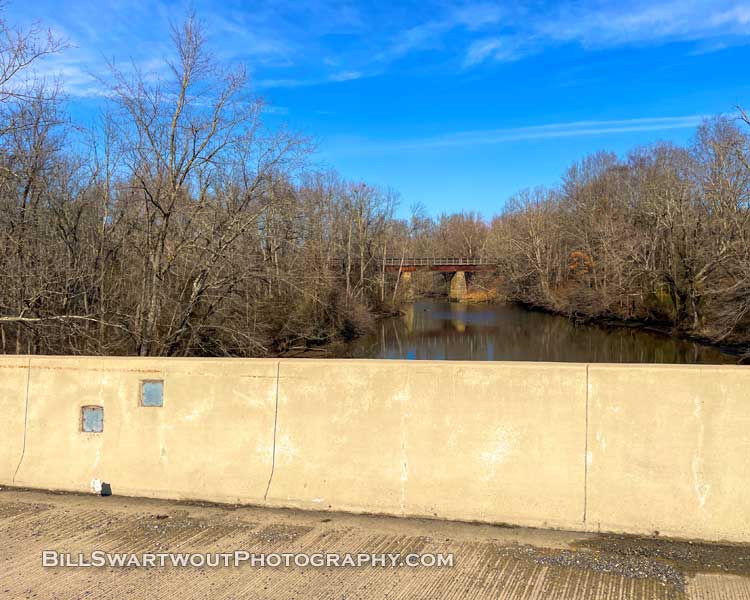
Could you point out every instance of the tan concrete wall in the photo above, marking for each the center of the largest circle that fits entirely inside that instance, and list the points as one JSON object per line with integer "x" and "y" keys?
{"x": 496, "y": 442}
{"x": 338, "y": 441}
{"x": 626, "y": 448}
{"x": 212, "y": 439}
{"x": 669, "y": 450}
{"x": 14, "y": 372}
{"x": 474, "y": 441}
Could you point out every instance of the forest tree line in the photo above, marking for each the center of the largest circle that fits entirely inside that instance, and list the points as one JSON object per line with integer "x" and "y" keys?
{"x": 178, "y": 224}
{"x": 661, "y": 236}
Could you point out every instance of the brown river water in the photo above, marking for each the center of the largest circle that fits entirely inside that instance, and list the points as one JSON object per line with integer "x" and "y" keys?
{"x": 440, "y": 330}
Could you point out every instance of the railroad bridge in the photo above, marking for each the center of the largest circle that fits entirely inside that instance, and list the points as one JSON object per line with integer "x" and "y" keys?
{"x": 456, "y": 267}
{"x": 445, "y": 265}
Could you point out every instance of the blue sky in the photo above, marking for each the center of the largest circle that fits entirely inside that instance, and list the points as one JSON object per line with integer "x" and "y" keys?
{"x": 454, "y": 105}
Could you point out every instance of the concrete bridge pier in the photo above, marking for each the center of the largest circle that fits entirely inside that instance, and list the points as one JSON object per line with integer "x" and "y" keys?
{"x": 407, "y": 291}
{"x": 458, "y": 288}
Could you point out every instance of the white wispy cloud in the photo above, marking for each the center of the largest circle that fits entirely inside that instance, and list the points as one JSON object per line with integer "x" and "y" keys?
{"x": 429, "y": 34}
{"x": 596, "y": 25}
{"x": 271, "y": 109}
{"x": 346, "y": 76}
{"x": 571, "y": 129}
{"x": 645, "y": 22}
{"x": 337, "y": 77}
{"x": 564, "y": 130}
{"x": 292, "y": 44}
{"x": 734, "y": 16}
{"x": 500, "y": 49}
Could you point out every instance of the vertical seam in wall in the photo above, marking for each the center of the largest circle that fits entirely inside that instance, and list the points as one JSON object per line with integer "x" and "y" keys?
{"x": 403, "y": 438}
{"x": 275, "y": 421}
{"x": 586, "y": 451}
{"x": 25, "y": 420}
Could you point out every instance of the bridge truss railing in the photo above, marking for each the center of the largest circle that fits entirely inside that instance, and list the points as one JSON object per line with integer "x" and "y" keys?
{"x": 440, "y": 261}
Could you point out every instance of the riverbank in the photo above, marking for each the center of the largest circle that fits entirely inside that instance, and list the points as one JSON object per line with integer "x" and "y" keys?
{"x": 608, "y": 322}
{"x": 741, "y": 350}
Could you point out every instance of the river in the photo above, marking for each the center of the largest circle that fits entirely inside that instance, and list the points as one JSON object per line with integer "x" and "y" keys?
{"x": 440, "y": 330}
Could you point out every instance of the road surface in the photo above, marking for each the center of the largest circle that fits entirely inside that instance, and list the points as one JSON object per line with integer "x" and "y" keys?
{"x": 489, "y": 562}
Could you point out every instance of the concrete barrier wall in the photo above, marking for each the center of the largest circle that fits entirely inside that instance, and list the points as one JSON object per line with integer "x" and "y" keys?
{"x": 474, "y": 441}
{"x": 669, "y": 451}
{"x": 14, "y": 373}
{"x": 628, "y": 448}
{"x": 212, "y": 439}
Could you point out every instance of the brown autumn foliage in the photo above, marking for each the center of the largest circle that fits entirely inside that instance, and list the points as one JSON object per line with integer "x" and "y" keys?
{"x": 181, "y": 226}
{"x": 663, "y": 235}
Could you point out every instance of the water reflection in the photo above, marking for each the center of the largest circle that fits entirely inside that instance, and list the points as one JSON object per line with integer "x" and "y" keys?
{"x": 452, "y": 331}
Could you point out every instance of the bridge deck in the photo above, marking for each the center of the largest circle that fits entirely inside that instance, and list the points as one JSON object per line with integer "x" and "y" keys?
{"x": 439, "y": 261}
{"x": 410, "y": 264}
{"x": 489, "y": 562}
{"x": 440, "y": 264}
